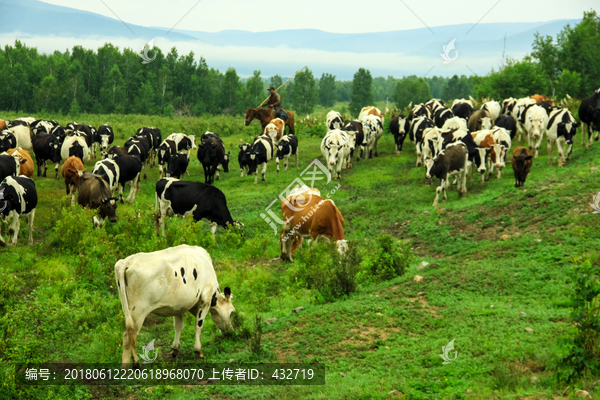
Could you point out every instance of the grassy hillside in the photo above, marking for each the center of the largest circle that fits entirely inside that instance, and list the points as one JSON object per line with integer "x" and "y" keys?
{"x": 508, "y": 248}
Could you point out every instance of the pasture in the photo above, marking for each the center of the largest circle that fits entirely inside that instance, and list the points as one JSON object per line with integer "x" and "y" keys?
{"x": 500, "y": 262}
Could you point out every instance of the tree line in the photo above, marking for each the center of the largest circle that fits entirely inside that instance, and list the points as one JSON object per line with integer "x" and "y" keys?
{"x": 113, "y": 81}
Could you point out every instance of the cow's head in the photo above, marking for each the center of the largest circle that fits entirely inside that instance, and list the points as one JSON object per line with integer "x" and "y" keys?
{"x": 430, "y": 163}
{"x": 7, "y": 141}
{"x": 225, "y": 163}
{"x": 193, "y": 141}
{"x": 332, "y": 151}
{"x": 283, "y": 149}
{"x": 351, "y": 139}
{"x": 486, "y": 123}
{"x": 252, "y": 161}
{"x": 76, "y": 150}
{"x": 571, "y": 131}
{"x": 104, "y": 142}
{"x": 480, "y": 157}
{"x": 19, "y": 160}
{"x": 108, "y": 208}
{"x": 499, "y": 151}
{"x": 12, "y": 199}
{"x": 55, "y": 147}
{"x": 221, "y": 308}
{"x": 534, "y": 124}
{"x": 250, "y": 115}
{"x": 207, "y": 152}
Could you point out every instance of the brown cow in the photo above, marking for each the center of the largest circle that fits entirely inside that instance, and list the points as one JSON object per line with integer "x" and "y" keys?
{"x": 274, "y": 130}
{"x": 26, "y": 161}
{"x": 72, "y": 169}
{"x": 480, "y": 119}
{"x": 540, "y": 97}
{"x": 2, "y": 125}
{"x": 310, "y": 216}
{"x": 485, "y": 139}
{"x": 370, "y": 110}
{"x": 521, "y": 163}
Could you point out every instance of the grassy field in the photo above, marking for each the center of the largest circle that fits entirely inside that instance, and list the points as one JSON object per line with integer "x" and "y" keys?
{"x": 499, "y": 263}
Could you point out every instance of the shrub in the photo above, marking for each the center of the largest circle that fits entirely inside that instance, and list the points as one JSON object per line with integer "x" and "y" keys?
{"x": 386, "y": 259}
{"x": 256, "y": 337}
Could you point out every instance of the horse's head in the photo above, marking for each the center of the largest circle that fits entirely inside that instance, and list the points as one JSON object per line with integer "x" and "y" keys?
{"x": 250, "y": 115}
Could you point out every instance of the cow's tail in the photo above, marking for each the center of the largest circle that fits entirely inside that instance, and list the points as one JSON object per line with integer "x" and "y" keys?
{"x": 120, "y": 270}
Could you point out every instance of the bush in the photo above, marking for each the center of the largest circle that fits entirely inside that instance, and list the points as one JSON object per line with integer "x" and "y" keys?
{"x": 386, "y": 260}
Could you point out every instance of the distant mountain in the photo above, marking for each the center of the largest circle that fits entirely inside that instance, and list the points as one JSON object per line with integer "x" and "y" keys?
{"x": 415, "y": 51}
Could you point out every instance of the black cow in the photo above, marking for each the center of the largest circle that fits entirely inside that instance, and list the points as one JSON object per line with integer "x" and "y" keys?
{"x": 166, "y": 149}
{"x": 95, "y": 193}
{"x": 76, "y": 150}
{"x": 354, "y": 125}
{"x": 399, "y": 126}
{"x": 244, "y": 158}
{"x": 84, "y": 130}
{"x": 139, "y": 146}
{"x": 211, "y": 153}
{"x": 288, "y": 146}
{"x": 260, "y": 154}
{"x": 9, "y": 166}
{"x": 589, "y": 114}
{"x": 441, "y": 115}
{"x": 106, "y": 136}
{"x": 507, "y": 122}
{"x": 47, "y": 147}
{"x": 184, "y": 143}
{"x": 177, "y": 165}
{"x": 130, "y": 168}
{"x": 203, "y": 202}
{"x": 59, "y": 132}
{"x": 7, "y": 141}
{"x": 462, "y": 110}
{"x": 19, "y": 200}
{"x": 477, "y": 154}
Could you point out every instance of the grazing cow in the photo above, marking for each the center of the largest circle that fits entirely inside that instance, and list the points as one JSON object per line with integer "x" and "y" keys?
{"x": 449, "y": 162}
{"x": 399, "y": 126}
{"x": 540, "y": 97}
{"x": 462, "y": 110}
{"x": 288, "y": 146}
{"x": 274, "y": 130}
{"x": 536, "y": 121}
{"x": 107, "y": 136}
{"x": 507, "y": 122}
{"x": 441, "y": 115}
{"x": 19, "y": 200}
{"x": 177, "y": 165}
{"x": 480, "y": 119}
{"x": 521, "y": 163}
{"x": 334, "y": 120}
{"x": 166, "y": 149}
{"x": 370, "y": 110}
{"x": 420, "y": 110}
{"x": 335, "y": 147}
{"x": 455, "y": 123}
{"x": 183, "y": 198}
{"x": 355, "y": 126}
{"x": 69, "y": 142}
{"x": 9, "y": 166}
{"x": 503, "y": 140}
{"x": 72, "y": 170}
{"x": 415, "y": 134}
{"x": 589, "y": 114}
{"x": 25, "y": 160}
{"x": 518, "y": 113}
{"x": 184, "y": 143}
{"x": 244, "y": 158}
{"x": 7, "y": 141}
{"x": 211, "y": 154}
{"x": 94, "y": 193}
{"x": 108, "y": 170}
{"x": 310, "y": 217}
{"x": 139, "y": 146}
{"x": 46, "y": 147}
{"x": 508, "y": 105}
{"x": 130, "y": 168}
{"x": 261, "y": 153}
{"x": 493, "y": 107}
{"x": 373, "y": 130}
{"x": 23, "y": 135}
{"x": 154, "y": 139}
{"x": 485, "y": 139}
{"x": 561, "y": 129}
{"x": 170, "y": 283}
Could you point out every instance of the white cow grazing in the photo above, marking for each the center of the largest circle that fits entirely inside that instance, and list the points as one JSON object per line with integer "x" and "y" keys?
{"x": 334, "y": 120}
{"x": 372, "y": 130}
{"x": 23, "y": 136}
{"x": 170, "y": 283}
{"x": 493, "y": 108}
{"x": 68, "y": 143}
{"x": 560, "y": 129}
{"x": 335, "y": 147}
{"x": 455, "y": 123}
{"x": 502, "y": 138}
{"x": 536, "y": 121}
{"x": 518, "y": 109}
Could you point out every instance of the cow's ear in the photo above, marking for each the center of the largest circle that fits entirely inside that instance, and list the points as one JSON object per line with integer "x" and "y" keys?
{"x": 104, "y": 200}
{"x": 23, "y": 161}
{"x": 227, "y": 291}
{"x": 528, "y": 158}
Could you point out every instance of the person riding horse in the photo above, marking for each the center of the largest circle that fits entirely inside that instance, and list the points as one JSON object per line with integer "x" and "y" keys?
{"x": 274, "y": 102}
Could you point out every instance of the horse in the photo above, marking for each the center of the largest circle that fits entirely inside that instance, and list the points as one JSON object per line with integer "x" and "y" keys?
{"x": 265, "y": 116}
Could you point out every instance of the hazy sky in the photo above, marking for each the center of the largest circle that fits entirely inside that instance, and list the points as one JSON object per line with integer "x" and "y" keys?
{"x": 328, "y": 15}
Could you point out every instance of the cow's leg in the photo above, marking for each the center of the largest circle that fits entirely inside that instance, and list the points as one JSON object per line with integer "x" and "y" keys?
{"x": 73, "y": 196}
{"x": 160, "y": 171}
{"x": 145, "y": 176}
{"x": 418, "y": 148}
{"x": 287, "y": 161}
{"x": 583, "y": 132}
{"x": 375, "y": 146}
{"x": 30, "y": 218}
{"x": 256, "y": 176}
{"x": 130, "y": 339}
{"x": 14, "y": 228}
{"x": 438, "y": 190}
{"x": 277, "y": 163}
{"x": 213, "y": 228}
{"x": 120, "y": 188}
{"x": 161, "y": 223}
{"x": 538, "y": 144}
{"x": 200, "y": 317}
{"x": 569, "y": 151}
{"x": 550, "y": 148}
{"x": 56, "y": 170}
{"x": 297, "y": 164}
{"x": 134, "y": 183}
{"x": 597, "y": 136}
{"x": 561, "y": 152}
{"x": 178, "y": 323}
{"x": 263, "y": 171}
{"x": 218, "y": 168}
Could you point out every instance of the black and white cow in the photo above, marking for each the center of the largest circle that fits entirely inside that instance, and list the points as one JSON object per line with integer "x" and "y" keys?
{"x": 106, "y": 136}
{"x": 177, "y": 165}
{"x": 288, "y": 146}
{"x": 420, "y": 110}
{"x": 19, "y": 200}
{"x": 47, "y": 147}
{"x": 154, "y": 139}
{"x": 43, "y": 126}
{"x": 373, "y": 130}
{"x": 109, "y": 171}
{"x": 70, "y": 141}
{"x": 507, "y": 122}
{"x": 477, "y": 155}
{"x": 184, "y": 143}
{"x": 183, "y": 198}
{"x": 60, "y": 133}
{"x": 356, "y": 127}
{"x": 462, "y": 110}
{"x": 165, "y": 150}
{"x": 244, "y": 158}
{"x": 399, "y": 126}
{"x": 441, "y": 115}
{"x": 7, "y": 141}
{"x": 139, "y": 146}
{"x": 211, "y": 154}
{"x": 83, "y": 130}
{"x": 10, "y": 166}
{"x": 415, "y": 134}
{"x": 451, "y": 161}
{"x": 589, "y": 114}
{"x": 561, "y": 129}
{"x": 95, "y": 193}
{"x": 130, "y": 168}
{"x": 261, "y": 153}
{"x": 334, "y": 120}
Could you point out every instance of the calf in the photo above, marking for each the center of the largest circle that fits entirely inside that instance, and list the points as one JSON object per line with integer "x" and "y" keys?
{"x": 107, "y": 136}
{"x": 334, "y": 120}
{"x": 373, "y": 131}
{"x": 244, "y": 158}
{"x": 24, "y": 159}
{"x": 184, "y": 143}
{"x": 462, "y": 110}
{"x": 355, "y": 126}
{"x": 19, "y": 200}
{"x": 7, "y": 141}
{"x": 211, "y": 153}
{"x": 310, "y": 217}
{"x": 399, "y": 126}
{"x": 165, "y": 150}
{"x": 335, "y": 147}
{"x": 46, "y": 147}
{"x": 169, "y": 283}
{"x": 182, "y": 198}
{"x": 130, "y": 168}
{"x": 139, "y": 146}
{"x": 480, "y": 119}
{"x": 451, "y": 161}
{"x": 72, "y": 170}
{"x": 536, "y": 121}
{"x": 521, "y": 163}
{"x": 415, "y": 134}
{"x": 177, "y": 166}
{"x": 9, "y": 166}
{"x": 94, "y": 193}
{"x": 561, "y": 129}
{"x": 69, "y": 142}
{"x": 288, "y": 146}
{"x": 261, "y": 153}
{"x": 507, "y": 122}
{"x": 589, "y": 113}
{"x": 441, "y": 115}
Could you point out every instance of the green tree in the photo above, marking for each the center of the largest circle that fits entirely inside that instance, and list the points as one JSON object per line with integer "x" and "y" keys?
{"x": 547, "y": 54}
{"x": 145, "y": 102}
{"x": 413, "y": 91}
{"x": 327, "y": 92}
{"x": 46, "y": 94}
{"x": 231, "y": 92}
{"x": 362, "y": 91}
{"x": 112, "y": 94}
{"x": 305, "y": 92}
{"x": 457, "y": 88}
{"x": 568, "y": 83}
{"x": 254, "y": 90}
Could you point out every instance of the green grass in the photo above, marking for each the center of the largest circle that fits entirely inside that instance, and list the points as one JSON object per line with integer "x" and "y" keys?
{"x": 501, "y": 246}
